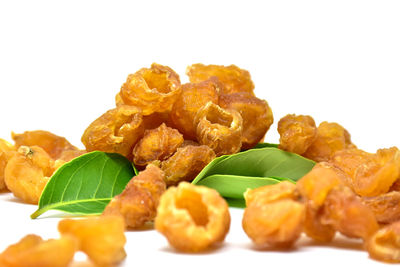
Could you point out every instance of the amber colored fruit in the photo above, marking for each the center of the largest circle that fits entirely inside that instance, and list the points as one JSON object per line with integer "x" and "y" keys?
{"x": 232, "y": 77}
{"x": 256, "y": 114}
{"x": 186, "y": 163}
{"x": 370, "y": 174}
{"x": 331, "y": 137}
{"x": 139, "y": 200}
{"x": 153, "y": 89}
{"x": 313, "y": 227}
{"x": 27, "y": 173}
{"x": 192, "y": 218}
{"x": 68, "y": 155}
{"x": 33, "y": 251}
{"x": 220, "y": 129}
{"x": 297, "y": 133}
{"x": 386, "y": 207}
{"x": 191, "y": 99}
{"x": 346, "y": 213}
{"x": 117, "y": 131}
{"x": 384, "y": 245}
{"x": 53, "y": 144}
{"x": 270, "y": 193}
{"x": 101, "y": 238}
{"x": 156, "y": 144}
{"x": 6, "y": 150}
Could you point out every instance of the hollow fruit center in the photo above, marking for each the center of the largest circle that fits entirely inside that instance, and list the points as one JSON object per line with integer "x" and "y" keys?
{"x": 191, "y": 201}
{"x": 216, "y": 117}
{"x": 157, "y": 81}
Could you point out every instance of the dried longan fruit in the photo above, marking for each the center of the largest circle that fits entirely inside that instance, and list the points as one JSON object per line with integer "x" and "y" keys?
{"x": 101, "y": 238}
{"x": 186, "y": 163}
{"x": 384, "y": 245}
{"x": 139, "y": 200}
{"x": 297, "y": 133}
{"x": 117, "y": 131}
{"x": 386, "y": 207}
{"x": 220, "y": 129}
{"x": 33, "y": 251}
{"x": 156, "y": 144}
{"x": 232, "y": 77}
{"x": 153, "y": 89}
{"x": 68, "y": 155}
{"x": 331, "y": 137}
{"x": 190, "y": 100}
{"x": 256, "y": 114}
{"x": 6, "y": 150}
{"x": 192, "y": 218}
{"x": 53, "y": 144}
{"x": 273, "y": 215}
{"x": 27, "y": 173}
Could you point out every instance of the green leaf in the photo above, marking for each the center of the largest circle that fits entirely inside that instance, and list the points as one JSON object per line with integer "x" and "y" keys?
{"x": 232, "y": 175}
{"x": 86, "y": 184}
{"x": 262, "y": 145}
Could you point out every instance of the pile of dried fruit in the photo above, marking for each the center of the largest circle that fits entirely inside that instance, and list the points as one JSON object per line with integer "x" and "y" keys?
{"x": 171, "y": 132}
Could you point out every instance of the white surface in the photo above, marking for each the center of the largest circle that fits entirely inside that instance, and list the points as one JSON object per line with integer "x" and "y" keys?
{"x": 61, "y": 65}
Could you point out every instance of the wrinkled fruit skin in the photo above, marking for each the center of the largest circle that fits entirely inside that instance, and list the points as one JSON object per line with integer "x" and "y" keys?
{"x": 186, "y": 163}
{"x": 256, "y": 114}
{"x": 297, "y": 133}
{"x": 192, "y": 218}
{"x": 139, "y": 200}
{"x": 233, "y": 78}
{"x": 191, "y": 99}
{"x": 33, "y": 251}
{"x": 153, "y": 89}
{"x": 27, "y": 173}
{"x": 156, "y": 144}
{"x": 116, "y": 131}
{"x": 219, "y": 129}
{"x": 101, "y": 238}
{"x": 384, "y": 245}
{"x": 386, "y": 207}
{"x": 6, "y": 151}
{"x": 273, "y": 216}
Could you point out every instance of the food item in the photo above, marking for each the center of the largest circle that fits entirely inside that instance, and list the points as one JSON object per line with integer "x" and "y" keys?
{"x": 219, "y": 129}
{"x": 233, "y": 78}
{"x": 156, "y": 144}
{"x": 331, "y": 137}
{"x": 386, "y": 207}
{"x": 139, "y": 200}
{"x": 384, "y": 245}
{"x": 190, "y": 100}
{"x": 297, "y": 133}
{"x": 256, "y": 114}
{"x": 153, "y": 89}
{"x": 192, "y": 218}
{"x": 186, "y": 163}
{"x": 273, "y": 215}
{"x": 6, "y": 150}
{"x": 53, "y": 144}
{"x": 27, "y": 173}
{"x": 101, "y": 238}
{"x": 370, "y": 174}
{"x": 117, "y": 131}
{"x": 33, "y": 251}
{"x": 68, "y": 155}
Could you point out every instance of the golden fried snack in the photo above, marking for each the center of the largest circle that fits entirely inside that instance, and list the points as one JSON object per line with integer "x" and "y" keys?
{"x": 53, "y": 144}
{"x": 192, "y": 218}
{"x": 256, "y": 114}
{"x": 6, "y": 150}
{"x": 153, "y": 89}
{"x": 297, "y": 133}
{"x": 386, "y": 207}
{"x": 219, "y": 129}
{"x": 117, "y": 131}
{"x": 27, "y": 173}
{"x": 331, "y": 137}
{"x": 33, "y": 251}
{"x": 233, "y": 78}
{"x": 101, "y": 238}
{"x": 384, "y": 245}
{"x": 191, "y": 99}
{"x": 370, "y": 174}
{"x": 156, "y": 144}
{"x": 273, "y": 215}
{"x": 139, "y": 200}
{"x": 186, "y": 163}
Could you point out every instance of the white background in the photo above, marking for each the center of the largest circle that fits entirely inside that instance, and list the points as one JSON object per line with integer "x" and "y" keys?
{"x": 61, "y": 64}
